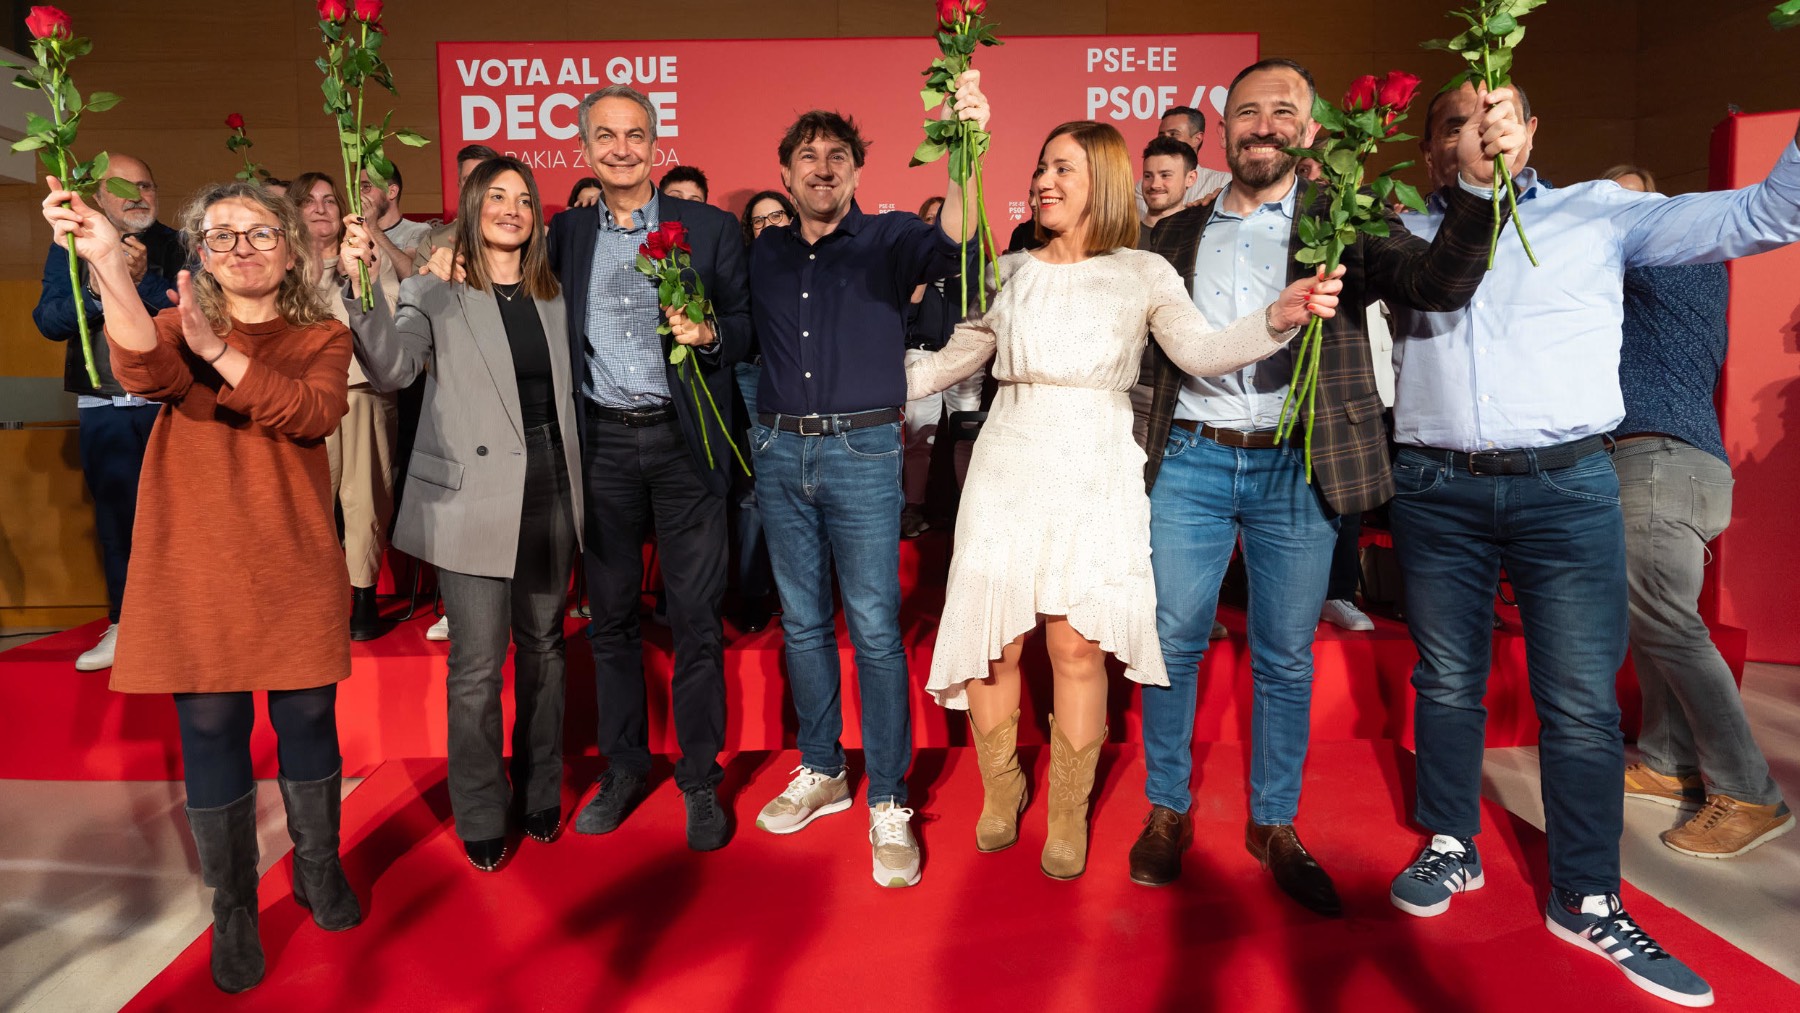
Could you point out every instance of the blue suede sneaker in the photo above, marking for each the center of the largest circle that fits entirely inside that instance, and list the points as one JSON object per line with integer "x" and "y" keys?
{"x": 1448, "y": 866}
{"x": 1598, "y": 923}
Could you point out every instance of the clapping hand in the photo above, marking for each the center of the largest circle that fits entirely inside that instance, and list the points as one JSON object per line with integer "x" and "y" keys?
{"x": 1307, "y": 298}
{"x": 196, "y": 330}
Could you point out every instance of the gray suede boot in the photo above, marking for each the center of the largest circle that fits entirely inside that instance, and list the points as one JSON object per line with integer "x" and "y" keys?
{"x": 225, "y": 839}
{"x": 314, "y": 809}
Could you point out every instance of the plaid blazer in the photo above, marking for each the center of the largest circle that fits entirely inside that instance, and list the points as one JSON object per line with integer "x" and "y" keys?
{"x": 1350, "y": 455}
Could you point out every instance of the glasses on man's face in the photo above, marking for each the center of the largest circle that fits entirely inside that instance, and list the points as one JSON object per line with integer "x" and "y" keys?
{"x": 222, "y": 240}
{"x": 772, "y": 218}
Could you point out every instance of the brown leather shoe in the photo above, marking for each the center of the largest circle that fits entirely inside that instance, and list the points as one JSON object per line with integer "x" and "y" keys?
{"x": 1156, "y": 857}
{"x": 1298, "y": 874}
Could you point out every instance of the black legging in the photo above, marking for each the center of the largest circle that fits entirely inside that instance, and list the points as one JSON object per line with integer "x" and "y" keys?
{"x": 215, "y": 740}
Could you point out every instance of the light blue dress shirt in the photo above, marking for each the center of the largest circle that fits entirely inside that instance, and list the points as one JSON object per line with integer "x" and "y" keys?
{"x": 625, "y": 364}
{"x": 1241, "y": 267}
{"x": 1533, "y": 360}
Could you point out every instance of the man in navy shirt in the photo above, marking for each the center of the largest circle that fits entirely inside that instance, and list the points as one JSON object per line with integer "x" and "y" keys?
{"x": 829, "y": 295}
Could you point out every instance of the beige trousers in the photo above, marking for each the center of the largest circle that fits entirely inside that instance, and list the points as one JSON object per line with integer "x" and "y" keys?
{"x": 362, "y": 478}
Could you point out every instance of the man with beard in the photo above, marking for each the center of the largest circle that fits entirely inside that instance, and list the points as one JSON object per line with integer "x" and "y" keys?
{"x": 1169, "y": 170}
{"x": 399, "y": 238}
{"x": 115, "y": 426}
{"x": 831, "y": 293}
{"x": 1217, "y": 472}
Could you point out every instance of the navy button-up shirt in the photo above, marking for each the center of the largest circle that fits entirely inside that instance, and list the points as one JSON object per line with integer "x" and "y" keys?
{"x": 831, "y": 316}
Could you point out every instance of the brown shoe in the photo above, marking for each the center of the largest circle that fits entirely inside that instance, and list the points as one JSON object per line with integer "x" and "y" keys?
{"x": 1727, "y": 828}
{"x": 1298, "y": 874}
{"x": 1156, "y": 857}
{"x": 1002, "y": 785}
{"x": 1681, "y": 792}
{"x": 1071, "y": 788}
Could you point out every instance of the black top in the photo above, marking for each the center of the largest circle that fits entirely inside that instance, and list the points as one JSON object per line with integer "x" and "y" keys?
{"x": 530, "y": 354}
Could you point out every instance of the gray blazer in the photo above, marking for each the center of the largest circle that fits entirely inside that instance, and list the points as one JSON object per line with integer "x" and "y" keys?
{"x": 465, "y": 484}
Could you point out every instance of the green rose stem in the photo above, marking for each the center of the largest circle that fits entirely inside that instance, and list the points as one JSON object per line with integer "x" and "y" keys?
{"x": 81, "y": 322}
{"x": 1496, "y": 80}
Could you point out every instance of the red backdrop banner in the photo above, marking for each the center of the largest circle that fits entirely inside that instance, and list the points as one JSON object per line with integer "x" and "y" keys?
{"x": 724, "y": 104}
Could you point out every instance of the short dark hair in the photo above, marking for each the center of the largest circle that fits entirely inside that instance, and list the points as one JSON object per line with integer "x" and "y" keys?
{"x": 1277, "y": 63}
{"x": 1196, "y": 119}
{"x": 475, "y": 153}
{"x": 818, "y": 123}
{"x": 1163, "y": 145}
{"x": 1431, "y": 107}
{"x": 685, "y": 174}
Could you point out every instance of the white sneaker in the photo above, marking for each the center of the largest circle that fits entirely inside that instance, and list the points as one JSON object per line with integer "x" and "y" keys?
{"x": 896, "y": 852}
{"x": 100, "y": 655}
{"x": 1342, "y": 612}
{"x": 439, "y": 630}
{"x": 809, "y": 796}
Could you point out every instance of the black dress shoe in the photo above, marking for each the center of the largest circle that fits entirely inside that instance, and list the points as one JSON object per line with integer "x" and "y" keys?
{"x": 708, "y": 828}
{"x": 486, "y": 855}
{"x": 752, "y": 617}
{"x": 544, "y": 824}
{"x": 619, "y": 793}
{"x": 365, "y": 617}
{"x": 1296, "y": 872}
{"x": 1156, "y": 857}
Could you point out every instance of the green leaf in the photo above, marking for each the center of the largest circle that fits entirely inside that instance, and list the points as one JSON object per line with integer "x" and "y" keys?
{"x": 25, "y": 82}
{"x": 1786, "y": 15}
{"x": 694, "y": 311}
{"x": 1342, "y": 161}
{"x": 927, "y": 152}
{"x": 1409, "y": 195}
{"x": 1308, "y": 227}
{"x": 1502, "y": 25}
{"x": 678, "y": 354}
{"x": 411, "y": 139}
{"x": 28, "y": 144}
{"x": 77, "y": 48}
{"x": 1400, "y": 167}
{"x": 379, "y": 167}
{"x": 644, "y": 266}
{"x": 1310, "y": 255}
{"x": 35, "y": 124}
{"x": 1374, "y": 227}
{"x": 101, "y": 101}
{"x": 101, "y": 161}
{"x": 932, "y": 98}
{"x": 122, "y": 188}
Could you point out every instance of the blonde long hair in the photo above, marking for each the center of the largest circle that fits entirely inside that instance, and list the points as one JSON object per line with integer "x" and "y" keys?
{"x": 298, "y": 299}
{"x": 1112, "y": 200}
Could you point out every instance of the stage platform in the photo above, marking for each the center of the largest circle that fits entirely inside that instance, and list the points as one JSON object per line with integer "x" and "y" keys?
{"x": 62, "y": 724}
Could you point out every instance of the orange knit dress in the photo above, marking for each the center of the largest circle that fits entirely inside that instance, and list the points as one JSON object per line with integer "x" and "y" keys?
{"x": 236, "y": 581}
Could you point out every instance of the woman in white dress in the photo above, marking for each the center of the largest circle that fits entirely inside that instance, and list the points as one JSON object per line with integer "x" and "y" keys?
{"x": 1054, "y": 525}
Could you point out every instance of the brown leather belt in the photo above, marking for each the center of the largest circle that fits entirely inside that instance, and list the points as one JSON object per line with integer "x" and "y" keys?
{"x": 1261, "y": 439}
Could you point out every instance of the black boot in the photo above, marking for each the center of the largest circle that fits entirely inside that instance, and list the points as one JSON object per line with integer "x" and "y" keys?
{"x": 365, "y": 617}
{"x": 225, "y": 839}
{"x": 313, "y": 812}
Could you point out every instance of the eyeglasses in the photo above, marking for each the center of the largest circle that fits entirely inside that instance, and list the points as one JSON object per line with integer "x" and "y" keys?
{"x": 222, "y": 240}
{"x": 772, "y": 218}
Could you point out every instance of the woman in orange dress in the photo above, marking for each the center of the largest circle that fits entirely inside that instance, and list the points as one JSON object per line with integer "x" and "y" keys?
{"x": 235, "y": 537}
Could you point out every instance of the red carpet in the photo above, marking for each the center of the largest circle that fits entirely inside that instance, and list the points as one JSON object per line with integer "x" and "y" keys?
{"x": 634, "y": 921}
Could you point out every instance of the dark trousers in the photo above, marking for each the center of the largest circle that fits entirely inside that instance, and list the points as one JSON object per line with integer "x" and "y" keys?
{"x": 636, "y": 478}
{"x": 215, "y": 740}
{"x": 527, "y": 609}
{"x": 112, "y": 454}
{"x": 1346, "y": 559}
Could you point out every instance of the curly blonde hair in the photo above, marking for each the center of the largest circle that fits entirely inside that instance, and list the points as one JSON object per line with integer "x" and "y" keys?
{"x": 298, "y": 300}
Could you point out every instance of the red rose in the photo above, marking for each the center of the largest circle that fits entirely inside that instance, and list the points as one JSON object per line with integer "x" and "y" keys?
{"x": 975, "y": 6}
{"x": 656, "y": 245}
{"x": 333, "y": 10}
{"x": 949, "y": 12}
{"x": 677, "y": 236}
{"x": 1397, "y": 90}
{"x": 49, "y": 23}
{"x": 1362, "y": 94}
{"x": 234, "y": 122}
{"x": 368, "y": 11}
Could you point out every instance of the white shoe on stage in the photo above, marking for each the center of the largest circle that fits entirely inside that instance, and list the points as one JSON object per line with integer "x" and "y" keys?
{"x": 1340, "y": 612}
{"x": 100, "y": 655}
{"x": 439, "y": 630}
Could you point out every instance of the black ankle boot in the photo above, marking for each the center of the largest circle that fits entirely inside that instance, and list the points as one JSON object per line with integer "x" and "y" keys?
{"x": 314, "y": 809}
{"x": 225, "y": 839}
{"x": 365, "y": 617}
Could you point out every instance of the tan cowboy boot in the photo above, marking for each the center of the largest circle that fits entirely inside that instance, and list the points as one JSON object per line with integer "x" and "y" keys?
{"x": 1002, "y": 785}
{"x": 1071, "y": 784}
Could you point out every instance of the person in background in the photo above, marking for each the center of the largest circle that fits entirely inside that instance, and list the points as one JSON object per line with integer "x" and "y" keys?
{"x": 361, "y": 449}
{"x": 934, "y": 311}
{"x": 1188, "y": 126}
{"x": 585, "y": 193}
{"x": 400, "y": 237}
{"x": 686, "y": 182}
{"x": 1696, "y": 750}
{"x": 931, "y": 209}
{"x": 1169, "y": 171}
{"x": 276, "y": 185}
{"x": 114, "y": 425}
{"x": 235, "y": 537}
{"x": 492, "y": 498}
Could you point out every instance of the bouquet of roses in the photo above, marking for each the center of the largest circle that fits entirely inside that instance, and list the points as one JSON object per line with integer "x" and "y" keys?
{"x": 353, "y": 58}
{"x": 1369, "y": 118}
{"x": 238, "y": 143}
{"x": 1488, "y": 43}
{"x": 55, "y": 46}
{"x": 664, "y": 259}
{"x": 961, "y": 29}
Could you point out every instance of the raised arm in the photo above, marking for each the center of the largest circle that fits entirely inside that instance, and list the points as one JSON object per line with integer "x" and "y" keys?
{"x": 1705, "y": 228}
{"x": 305, "y": 407}
{"x": 1199, "y": 350}
{"x": 98, "y": 243}
{"x": 393, "y": 343}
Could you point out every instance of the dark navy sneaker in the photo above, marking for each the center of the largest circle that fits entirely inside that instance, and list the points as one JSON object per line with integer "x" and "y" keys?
{"x": 1598, "y": 923}
{"x": 618, "y": 794}
{"x": 708, "y": 827}
{"x": 1448, "y": 866}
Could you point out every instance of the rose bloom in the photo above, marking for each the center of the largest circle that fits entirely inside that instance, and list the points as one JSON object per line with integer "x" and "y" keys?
{"x": 1397, "y": 90}
{"x": 677, "y": 235}
{"x": 656, "y": 246}
{"x": 949, "y": 11}
{"x": 49, "y": 23}
{"x": 235, "y": 121}
{"x": 368, "y": 11}
{"x": 1362, "y": 94}
{"x": 975, "y": 6}
{"x": 333, "y": 10}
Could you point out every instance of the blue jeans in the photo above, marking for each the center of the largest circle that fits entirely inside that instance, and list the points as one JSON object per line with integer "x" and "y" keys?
{"x": 837, "y": 499}
{"x": 113, "y": 440}
{"x": 1561, "y": 537}
{"x": 1206, "y": 496}
{"x": 750, "y": 568}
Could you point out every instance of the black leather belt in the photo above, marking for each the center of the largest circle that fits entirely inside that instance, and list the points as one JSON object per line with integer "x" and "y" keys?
{"x": 923, "y": 345}
{"x": 636, "y": 418}
{"x": 829, "y": 425}
{"x": 1519, "y": 462}
{"x": 1261, "y": 439}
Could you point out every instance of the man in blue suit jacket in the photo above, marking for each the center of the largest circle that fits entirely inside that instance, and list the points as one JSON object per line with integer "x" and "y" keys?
{"x": 645, "y": 455}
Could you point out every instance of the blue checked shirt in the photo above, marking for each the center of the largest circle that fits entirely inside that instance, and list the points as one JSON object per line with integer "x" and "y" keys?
{"x": 625, "y": 363}
{"x": 1533, "y": 360}
{"x": 1241, "y": 267}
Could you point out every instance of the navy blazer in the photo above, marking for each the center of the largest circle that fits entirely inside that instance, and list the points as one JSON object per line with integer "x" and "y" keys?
{"x": 717, "y": 242}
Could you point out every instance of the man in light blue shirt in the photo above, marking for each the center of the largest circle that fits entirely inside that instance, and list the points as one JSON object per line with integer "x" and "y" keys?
{"x": 1499, "y": 412}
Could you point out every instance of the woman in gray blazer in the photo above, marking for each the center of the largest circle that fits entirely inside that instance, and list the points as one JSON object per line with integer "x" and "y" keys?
{"x": 489, "y": 499}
